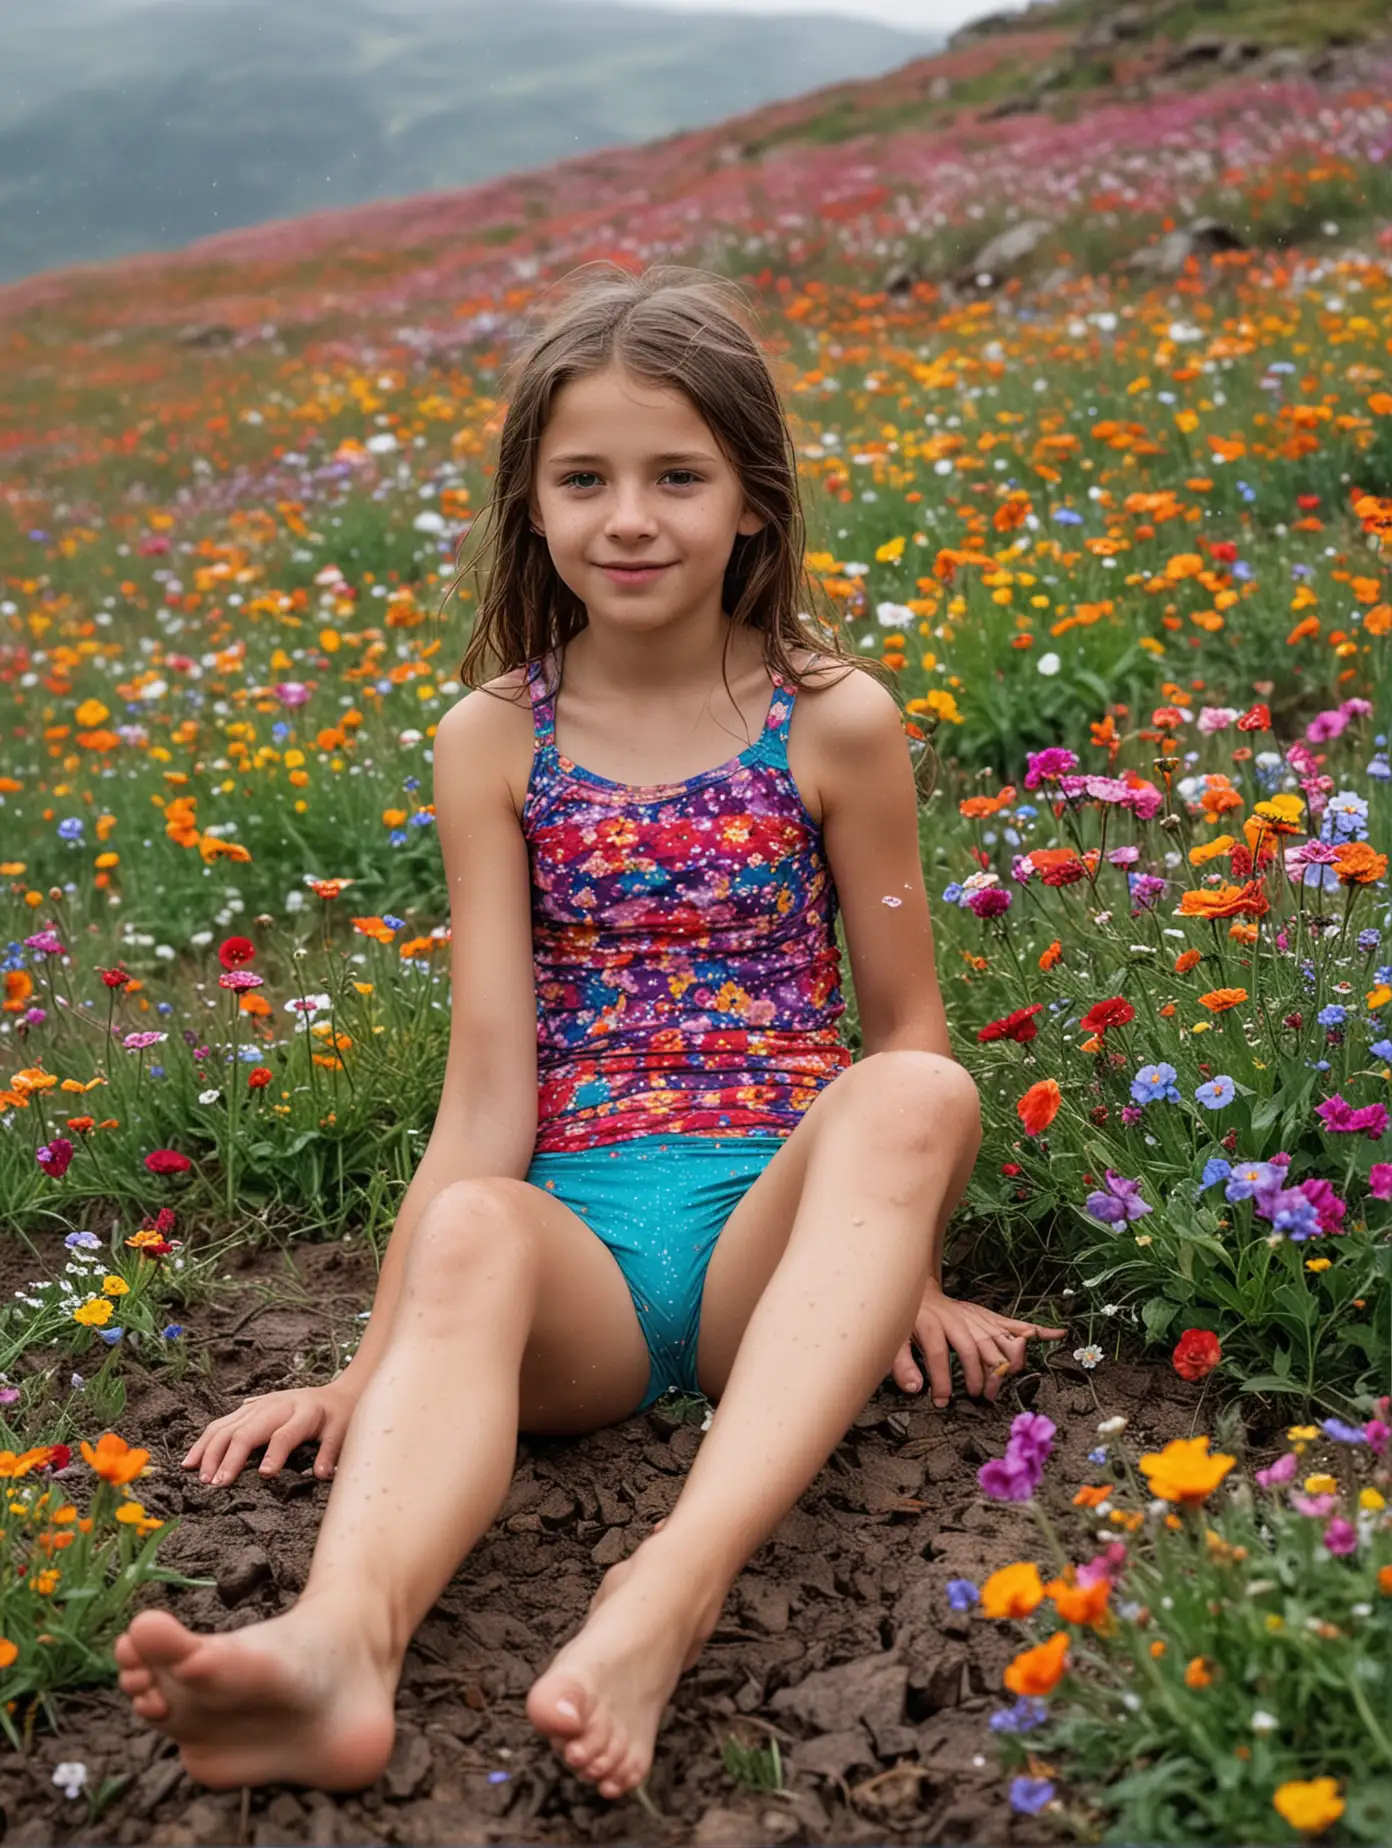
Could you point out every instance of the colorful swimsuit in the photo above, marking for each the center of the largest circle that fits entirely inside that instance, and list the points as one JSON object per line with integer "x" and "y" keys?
{"x": 687, "y": 988}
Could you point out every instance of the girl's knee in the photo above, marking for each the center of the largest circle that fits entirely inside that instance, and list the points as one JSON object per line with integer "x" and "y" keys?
{"x": 469, "y": 1224}
{"x": 918, "y": 1100}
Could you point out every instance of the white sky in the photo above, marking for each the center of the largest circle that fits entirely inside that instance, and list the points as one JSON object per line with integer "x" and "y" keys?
{"x": 929, "y": 16}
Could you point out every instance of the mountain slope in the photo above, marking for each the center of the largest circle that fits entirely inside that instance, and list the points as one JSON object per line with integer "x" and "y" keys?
{"x": 132, "y": 127}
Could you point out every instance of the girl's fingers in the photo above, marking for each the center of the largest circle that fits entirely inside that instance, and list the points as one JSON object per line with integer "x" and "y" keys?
{"x": 905, "y": 1370}
{"x": 995, "y": 1364}
{"x": 938, "y": 1362}
{"x": 965, "y": 1344}
{"x": 283, "y": 1441}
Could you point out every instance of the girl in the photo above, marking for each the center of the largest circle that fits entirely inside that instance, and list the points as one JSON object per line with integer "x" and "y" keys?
{"x": 654, "y": 1163}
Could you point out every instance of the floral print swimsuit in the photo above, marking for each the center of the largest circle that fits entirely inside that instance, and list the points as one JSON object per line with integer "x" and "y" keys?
{"x": 687, "y": 990}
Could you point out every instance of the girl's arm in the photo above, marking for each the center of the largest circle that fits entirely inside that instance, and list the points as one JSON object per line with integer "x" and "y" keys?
{"x": 870, "y": 830}
{"x": 487, "y": 1116}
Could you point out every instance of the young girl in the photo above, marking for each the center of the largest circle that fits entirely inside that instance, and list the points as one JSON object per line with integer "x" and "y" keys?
{"x": 654, "y": 1163}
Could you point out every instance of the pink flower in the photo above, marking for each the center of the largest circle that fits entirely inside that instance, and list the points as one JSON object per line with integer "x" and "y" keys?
{"x": 167, "y": 1161}
{"x": 1380, "y": 1180}
{"x": 1279, "y": 1473}
{"x": 47, "y": 942}
{"x": 239, "y": 979}
{"x": 989, "y": 902}
{"x": 1340, "y": 1118}
{"x": 291, "y": 692}
{"x": 1325, "y": 725}
{"x": 1377, "y": 1434}
{"x": 1316, "y": 1506}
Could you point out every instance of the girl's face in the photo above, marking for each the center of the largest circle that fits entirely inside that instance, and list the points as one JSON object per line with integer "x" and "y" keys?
{"x": 630, "y": 475}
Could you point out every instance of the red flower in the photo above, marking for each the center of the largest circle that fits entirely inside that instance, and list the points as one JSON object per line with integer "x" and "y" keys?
{"x": 1255, "y": 719}
{"x": 1103, "y": 1014}
{"x": 1197, "y": 1355}
{"x": 258, "y": 1076}
{"x": 59, "y": 1457}
{"x": 1039, "y": 1106}
{"x": 167, "y": 1161}
{"x": 1307, "y": 502}
{"x": 1010, "y": 1167}
{"x": 53, "y": 1157}
{"x": 1224, "y": 551}
{"x": 234, "y": 951}
{"x": 114, "y": 978}
{"x": 1018, "y": 1026}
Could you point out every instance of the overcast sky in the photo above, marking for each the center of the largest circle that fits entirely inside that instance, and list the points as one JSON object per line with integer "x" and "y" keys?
{"x": 926, "y": 15}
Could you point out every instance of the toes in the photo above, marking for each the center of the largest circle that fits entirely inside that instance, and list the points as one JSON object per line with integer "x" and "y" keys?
{"x": 135, "y": 1680}
{"x": 151, "y": 1705}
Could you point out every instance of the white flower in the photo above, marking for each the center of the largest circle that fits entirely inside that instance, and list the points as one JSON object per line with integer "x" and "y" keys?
{"x": 209, "y": 1097}
{"x": 1112, "y": 1427}
{"x": 429, "y": 522}
{"x": 70, "y": 1778}
{"x": 1048, "y": 664}
{"x": 893, "y": 615}
{"x": 382, "y": 444}
{"x": 1089, "y": 1357}
{"x": 307, "y": 1004}
{"x": 1264, "y": 1722}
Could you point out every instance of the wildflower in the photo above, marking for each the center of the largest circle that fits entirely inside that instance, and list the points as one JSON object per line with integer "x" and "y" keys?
{"x": 1279, "y": 1473}
{"x": 1016, "y": 1476}
{"x": 167, "y": 1161}
{"x": 1082, "y": 1603}
{"x": 1217, "y": 1093}
{"x": 1117, "y": 1012}
{"x": 961, "y": 1594}
{"x": 1263, "y": 1722}
{"x": 138, "y": 1042}
{"x": 1029, "y": 1795}
{"x": 1309, "y": 1806}
{"x": 1024, "y": 1714}
{"x": 1340, "y": 1118}
{"x": 1018, "y": 1026}
{"x": 1198, "y": 1673}
{"x": 1341, "y": 1537}
{"x": 1155, "y": 1083}
{"x": 234, "y": 951}
{"x": 53, "y": 1157}
{"x": 94, "y": 1312}
{"x": 1197, "y": 1354}
{"x": 1039, "y": 1106}
{"x": 1121, "y": 1201}
{"x": 1038, "y": 1671}
{"x": 1013, "y": 1591}
{"x": 241, "y": 980}
{"x": 1215, "y": 1169}
{"x": 1089, "y": 1357}
{"x": 1343, "y": 1433}
{"x": 70, "y": 1778}
{"x": 1184, "y": 1471}
{"x": 114, "y": 1460}
{"x": 1219, "y": 1000}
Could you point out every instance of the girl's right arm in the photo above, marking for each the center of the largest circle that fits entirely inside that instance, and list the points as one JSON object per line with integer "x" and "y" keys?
{"x": 486, "y": 1120}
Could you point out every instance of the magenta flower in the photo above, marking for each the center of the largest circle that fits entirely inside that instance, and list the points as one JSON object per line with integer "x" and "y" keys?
{"x": 990, "y": 902}
{"x": 1340, "y": 1118}
{"x": 1340, "y": 1537}
{"x": 47, "y": 942}
{"x": 1016, "y": 1475}
{"x": 1377, "y": 1434}
{"x": 137, "y": 1042}
{"x": 239, "y": 979}
{"x": 1380, "y": 1180}
{"x": 54, "y": 1157}
{"x": 1279, "y": 1473}
{"x": 291, "y": 692}
{"x": 1047, "y": 765}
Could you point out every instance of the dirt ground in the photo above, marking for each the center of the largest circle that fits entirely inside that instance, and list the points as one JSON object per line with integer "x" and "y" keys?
{"x": 837, "y": 1640}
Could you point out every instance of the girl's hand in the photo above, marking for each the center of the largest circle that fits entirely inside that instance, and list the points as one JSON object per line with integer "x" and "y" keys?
{"x": 989, "y": 1346}
{"x": 279, "y": 1420}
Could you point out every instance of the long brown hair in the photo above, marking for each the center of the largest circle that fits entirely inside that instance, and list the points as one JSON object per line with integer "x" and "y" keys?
{"x": 670, "y": 326}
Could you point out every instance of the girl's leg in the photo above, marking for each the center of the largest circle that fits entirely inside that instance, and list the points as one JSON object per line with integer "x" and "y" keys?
{"x": 879, "y": 1161}
{"x": 512, "y": 1311}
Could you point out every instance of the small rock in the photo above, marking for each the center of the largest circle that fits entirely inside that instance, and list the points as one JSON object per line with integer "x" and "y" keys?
{"x": 723, "y": 1828}
{"x": 611, "y": 1548}
{"x": 250, "y": 1569}
{"x": 409, "y": 1766}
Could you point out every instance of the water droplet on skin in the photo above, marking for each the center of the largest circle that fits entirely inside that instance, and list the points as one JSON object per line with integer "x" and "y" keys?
{"x": 858, "y": 1222}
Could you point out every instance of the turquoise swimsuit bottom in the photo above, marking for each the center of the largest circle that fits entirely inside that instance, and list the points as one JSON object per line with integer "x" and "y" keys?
{"x": 659, "y": 1203}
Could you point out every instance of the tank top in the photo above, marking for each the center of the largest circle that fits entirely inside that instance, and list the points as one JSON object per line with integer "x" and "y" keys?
{"x": 683, "y": 942}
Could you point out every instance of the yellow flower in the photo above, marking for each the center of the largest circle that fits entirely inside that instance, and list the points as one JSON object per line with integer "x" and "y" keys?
{"x": 1371, "y": 1500}
{"x": 1309, "y": 1806}
{"x": 95, "y": 1313}
{"x": 1014, "y": 1591}
{"x": 115, "y": 1286}
{"x": 890, "y": 552}
{"x": 1184, "y": 1471}
{"x": 1321, "y": 1484}
{"x": 1317, "y": 1264}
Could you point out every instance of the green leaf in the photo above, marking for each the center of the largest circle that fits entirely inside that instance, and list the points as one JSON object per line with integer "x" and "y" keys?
{"x": 1157, "y": 1314}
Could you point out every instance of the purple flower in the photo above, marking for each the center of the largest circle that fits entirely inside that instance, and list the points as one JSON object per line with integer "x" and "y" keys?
{"x": 1279, "y": 1473}
{"x": 1029, "y": 1795}
{"x": 961, "y": 1594}
{"x": 1015, "y": 1476}
{"x": 1343, "y": 1433}
{"x": 989, "y": 902}
{"x": 1340, "y": 1118}
{"x": 1314, "y": 1506}
{"x": 47, "y": 942}
{"x": 1027, "y": 1712}
{"x": 1121, "y": 1201}
{"x": 1146, "y": 891}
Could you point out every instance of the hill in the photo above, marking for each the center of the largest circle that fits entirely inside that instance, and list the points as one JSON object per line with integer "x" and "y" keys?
{"x": 128, "y": 126}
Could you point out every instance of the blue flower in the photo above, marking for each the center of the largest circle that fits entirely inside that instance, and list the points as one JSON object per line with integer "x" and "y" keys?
{"x": 1215, "y": 1169}
{"x": 1369, "y": 939}
{"x": 1099, "y": 1455}
{"x": 1381, "y": 1049}
{"x": 172, "y": 1333}
{"x": 111, "y": 1335}
{"x": 391, "y": 922}
{"x": 1217, "y": 1094}
{"x": 952, "y": 894}
{"x": 1065, "y": 516}
{"x": 961, "y": 1594}
{"x": 82, "y": 1241}
{"x": 1029, "y": 1795}
{"x": 1332, "y": 1016}
{"x": 1154, "y": 1083}
{"x": 71, "y": 830}
{"x": 1026, "y": 1713}
{"x": 1342, "y": 1433}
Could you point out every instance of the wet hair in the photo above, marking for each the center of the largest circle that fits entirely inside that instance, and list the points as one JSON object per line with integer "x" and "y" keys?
{"x": 678, "y": 328}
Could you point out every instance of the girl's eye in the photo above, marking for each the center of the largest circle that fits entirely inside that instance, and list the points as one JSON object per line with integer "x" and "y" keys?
{"x": 586, "y": 474}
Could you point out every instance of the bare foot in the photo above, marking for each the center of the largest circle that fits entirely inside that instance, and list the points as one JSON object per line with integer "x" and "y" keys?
{"x": 600, "y": 1701}
{"x": 289, "y": 1701}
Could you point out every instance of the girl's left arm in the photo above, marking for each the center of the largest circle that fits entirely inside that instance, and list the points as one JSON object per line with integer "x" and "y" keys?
{"x": 870, "y": 832}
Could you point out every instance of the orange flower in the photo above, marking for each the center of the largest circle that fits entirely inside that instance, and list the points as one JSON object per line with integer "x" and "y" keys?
{"x": 1039, "y": 1106}
{"x": 1210, "y": 850}
{"x": 1051, "y": 955}
{"x": 1038, "y": 1671}
{"x": 1014, "y": 1591}
{"x": 114, "y": 1460}
{"x": 1091, "y": 1496}
{"x": 1184, "y": 1471}
{"x": 1359, "y": 864}
{"x": 1084, "y": 1604}
{"x": 1219, "y": 1000}
{"x": 1226, "y": 901}
{"x": 1185, "y": 961}
{"x": 1198, "y": 1673}
{"x": 8, "y": 1652}
{"x": 1384, "y": 1581}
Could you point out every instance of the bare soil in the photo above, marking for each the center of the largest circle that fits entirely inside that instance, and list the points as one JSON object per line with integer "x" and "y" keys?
{"x": 837, "y": 1640}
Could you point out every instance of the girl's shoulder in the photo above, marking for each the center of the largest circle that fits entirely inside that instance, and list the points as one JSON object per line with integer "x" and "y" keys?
{"x": 838, "y": 696}
{"x": 492, "y": 725}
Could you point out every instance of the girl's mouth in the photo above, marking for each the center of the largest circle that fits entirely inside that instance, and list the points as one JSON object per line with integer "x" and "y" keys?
{"x": 637, "y": 574}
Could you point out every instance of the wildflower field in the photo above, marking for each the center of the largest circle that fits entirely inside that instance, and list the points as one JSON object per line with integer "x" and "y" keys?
{"x": 1123, "y": 547}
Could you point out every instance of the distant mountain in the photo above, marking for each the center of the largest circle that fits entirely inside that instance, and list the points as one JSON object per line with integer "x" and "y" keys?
{"x": 141, "y": 125}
